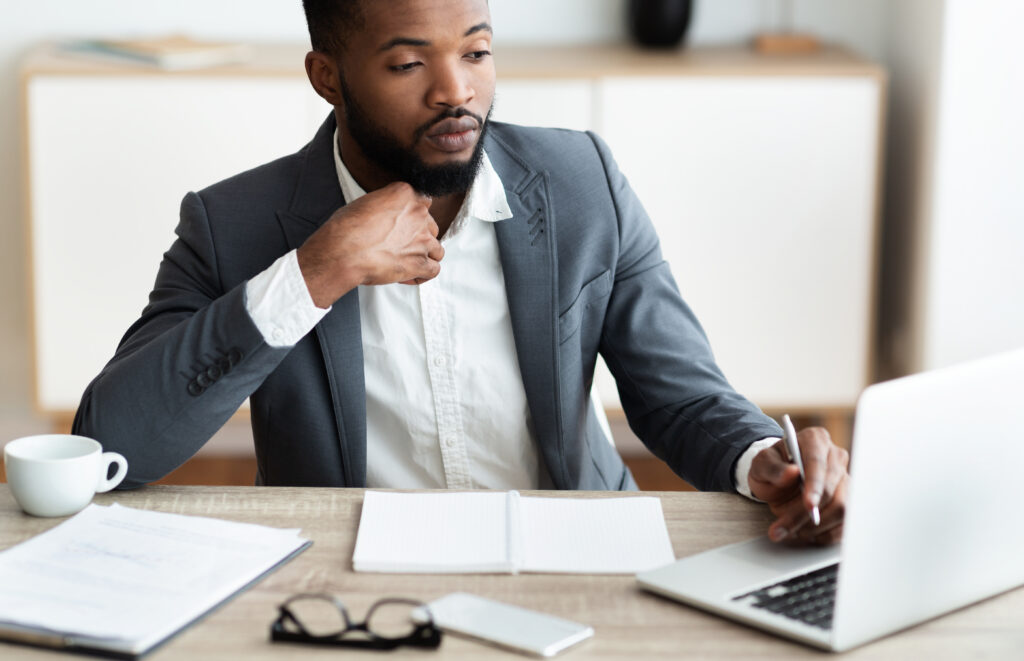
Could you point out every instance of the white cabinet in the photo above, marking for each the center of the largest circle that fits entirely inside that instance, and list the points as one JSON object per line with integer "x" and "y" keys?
{"x": 567, "y": 104}
{"x": 762, "y": 189}
{"x": 761, "y": 178}
{"x": 110, "y": 158}
{"x": 759, "y": 175}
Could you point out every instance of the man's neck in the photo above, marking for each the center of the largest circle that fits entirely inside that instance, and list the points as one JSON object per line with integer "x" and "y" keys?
{"x": 370, "y": 178}
{"x": 445, "y": 209}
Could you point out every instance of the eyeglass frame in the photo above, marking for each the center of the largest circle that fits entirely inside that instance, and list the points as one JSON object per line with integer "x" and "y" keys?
{"x": 424, "y": 634}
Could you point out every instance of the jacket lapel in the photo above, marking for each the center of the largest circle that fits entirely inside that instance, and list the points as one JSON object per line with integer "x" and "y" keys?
{"x": 317, "y": 196}
{"x": 528, "y": 261}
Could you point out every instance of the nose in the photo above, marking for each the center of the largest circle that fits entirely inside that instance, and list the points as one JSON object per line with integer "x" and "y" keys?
{"x": 450, "y": 87}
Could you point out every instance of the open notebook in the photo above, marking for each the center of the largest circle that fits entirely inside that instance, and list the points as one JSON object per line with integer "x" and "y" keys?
{"x": 503, "y": 532}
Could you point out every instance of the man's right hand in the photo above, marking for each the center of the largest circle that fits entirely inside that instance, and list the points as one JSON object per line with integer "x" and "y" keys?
{"x": 383, "y": 237}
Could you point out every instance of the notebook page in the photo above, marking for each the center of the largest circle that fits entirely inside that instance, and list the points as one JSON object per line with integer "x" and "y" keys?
{"x": 594, "y": 535}
{"x": 443, "y": 533}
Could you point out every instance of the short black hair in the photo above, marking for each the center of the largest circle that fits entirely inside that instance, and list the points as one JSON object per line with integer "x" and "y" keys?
{"x": 331, "y": 21}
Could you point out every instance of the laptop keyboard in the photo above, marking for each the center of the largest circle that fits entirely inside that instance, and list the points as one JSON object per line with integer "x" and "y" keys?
{"x": 809, "y": 598}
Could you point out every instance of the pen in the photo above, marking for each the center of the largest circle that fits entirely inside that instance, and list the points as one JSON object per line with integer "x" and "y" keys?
{"x": 793, "y": 449}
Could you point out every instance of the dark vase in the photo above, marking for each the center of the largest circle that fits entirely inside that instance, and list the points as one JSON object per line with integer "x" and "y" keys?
{"x": 659, "y": 23}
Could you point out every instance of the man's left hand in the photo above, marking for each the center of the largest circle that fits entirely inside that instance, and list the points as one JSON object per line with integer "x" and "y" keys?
{"x": 776, "y": 481}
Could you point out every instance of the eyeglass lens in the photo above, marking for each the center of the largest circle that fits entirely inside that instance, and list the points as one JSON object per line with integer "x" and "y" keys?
{"x": 321, "y": 616}
{"x": 391, "y": 619}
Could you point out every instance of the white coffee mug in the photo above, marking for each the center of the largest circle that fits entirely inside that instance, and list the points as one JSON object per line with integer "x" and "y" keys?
{"x": 58, "y": 474}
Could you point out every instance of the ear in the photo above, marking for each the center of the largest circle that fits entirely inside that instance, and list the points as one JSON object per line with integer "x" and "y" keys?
{"x": 322, "y": 70}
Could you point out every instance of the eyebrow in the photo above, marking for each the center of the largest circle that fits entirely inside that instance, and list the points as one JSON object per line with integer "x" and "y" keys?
{"x": 409, "y": 41}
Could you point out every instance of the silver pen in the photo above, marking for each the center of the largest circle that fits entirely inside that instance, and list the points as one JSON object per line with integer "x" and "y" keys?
{"x": 793, "y": 449}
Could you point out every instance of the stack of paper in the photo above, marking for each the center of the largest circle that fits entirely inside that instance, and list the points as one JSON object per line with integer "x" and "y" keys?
{"x": 507, "y": 533}
{"x": 122, "y": 580}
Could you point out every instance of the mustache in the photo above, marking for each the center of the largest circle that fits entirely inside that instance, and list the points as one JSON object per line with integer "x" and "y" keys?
{"x": 450, "y": 113}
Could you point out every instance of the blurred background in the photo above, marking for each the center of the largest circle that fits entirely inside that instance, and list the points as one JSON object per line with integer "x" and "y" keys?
{"x": 837, "y": 183}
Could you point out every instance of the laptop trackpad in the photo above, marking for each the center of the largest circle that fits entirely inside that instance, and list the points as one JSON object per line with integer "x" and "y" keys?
{"x": 737, "y": 568}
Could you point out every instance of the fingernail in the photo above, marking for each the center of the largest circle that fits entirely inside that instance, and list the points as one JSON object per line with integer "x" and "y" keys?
{"x": 778, "y": 534}
{"x": 816, "y": 516}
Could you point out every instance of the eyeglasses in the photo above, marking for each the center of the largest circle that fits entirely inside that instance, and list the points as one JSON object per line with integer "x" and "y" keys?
{"x": 321, "y": 619}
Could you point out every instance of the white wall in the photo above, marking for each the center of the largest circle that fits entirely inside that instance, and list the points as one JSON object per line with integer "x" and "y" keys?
{"x": 914, "y": 59}
{"x": 974, "y": 291}
{"x": 856, "y": 23}
{"x": 955, "y": 212}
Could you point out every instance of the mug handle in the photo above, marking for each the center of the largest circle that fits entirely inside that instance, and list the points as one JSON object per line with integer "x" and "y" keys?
{"x": 108, "y": 458}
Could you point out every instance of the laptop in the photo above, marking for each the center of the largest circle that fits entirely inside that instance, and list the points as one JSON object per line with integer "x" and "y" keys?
{"x": 932, "y": 519}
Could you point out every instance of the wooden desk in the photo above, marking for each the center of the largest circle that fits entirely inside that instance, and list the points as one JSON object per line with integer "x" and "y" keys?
{"x": 629, "y": 624}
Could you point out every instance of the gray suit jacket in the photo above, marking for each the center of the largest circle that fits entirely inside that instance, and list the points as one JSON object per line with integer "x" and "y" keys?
{"x": 584, "y": 274}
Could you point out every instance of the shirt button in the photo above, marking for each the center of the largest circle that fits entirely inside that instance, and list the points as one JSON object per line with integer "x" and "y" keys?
{"x": 449, "y": 442}
{"x": 440, "y": 361}
{"x": 277, "y": 334}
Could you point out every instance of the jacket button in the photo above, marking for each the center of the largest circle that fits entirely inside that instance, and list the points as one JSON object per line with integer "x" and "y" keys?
{"x": 195, "y": 389}
{"x": 214, "y": 372}
{"x": 202, "y": 380}
{"x": 234, "y": 357}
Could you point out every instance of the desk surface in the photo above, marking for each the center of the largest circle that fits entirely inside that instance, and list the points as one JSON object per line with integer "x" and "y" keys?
{"x": 629, "y": 623}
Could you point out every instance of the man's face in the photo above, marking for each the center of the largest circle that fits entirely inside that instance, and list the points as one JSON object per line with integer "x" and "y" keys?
{"x": 418, "y": 84}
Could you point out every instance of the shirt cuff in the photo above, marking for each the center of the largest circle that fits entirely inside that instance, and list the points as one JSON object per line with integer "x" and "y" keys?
{"x": 279, "y": 303}
{"x": 742, "y": 470}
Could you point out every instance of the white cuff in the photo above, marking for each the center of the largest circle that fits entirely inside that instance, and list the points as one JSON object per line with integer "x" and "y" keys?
{"x": 742, "y": 470}
{"x": 279, "y": 303}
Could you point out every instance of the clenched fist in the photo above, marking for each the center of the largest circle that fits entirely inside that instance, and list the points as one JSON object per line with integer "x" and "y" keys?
{"x": 383, "y": 237}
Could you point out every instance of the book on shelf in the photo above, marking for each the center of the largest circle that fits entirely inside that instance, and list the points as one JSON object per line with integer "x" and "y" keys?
{"x": 171, "y": 53}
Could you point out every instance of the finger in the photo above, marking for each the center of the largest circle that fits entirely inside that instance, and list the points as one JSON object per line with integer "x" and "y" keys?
{"x": 790, "y": 522}
{"x": 831, "y": 536}
{"x": 814, "y": 450}
{"x": 832, "y": 516}
{"x": 431, "y": 269}
{"x": 838, "y": 460}
{"x": 432, "y": 227}
{"x": 400, "y": 188}
{"x": 436, "y": 251}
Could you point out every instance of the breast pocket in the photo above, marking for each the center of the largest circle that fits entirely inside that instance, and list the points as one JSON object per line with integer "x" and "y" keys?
{"x": 592, "y": 293}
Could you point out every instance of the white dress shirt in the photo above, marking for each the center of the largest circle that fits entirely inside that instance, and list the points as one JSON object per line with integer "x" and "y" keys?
{"x": 445, "y": 401}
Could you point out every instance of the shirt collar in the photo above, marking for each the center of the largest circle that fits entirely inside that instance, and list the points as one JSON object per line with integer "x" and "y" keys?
{"x": 486, "y": 199}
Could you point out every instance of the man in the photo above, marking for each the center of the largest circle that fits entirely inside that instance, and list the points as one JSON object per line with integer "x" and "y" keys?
{"x": 417, "y": 299}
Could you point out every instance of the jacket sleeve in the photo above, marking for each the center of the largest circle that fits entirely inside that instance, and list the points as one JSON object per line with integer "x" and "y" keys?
{"x": 184, "y": 367}
{"x": 674, "y": 395}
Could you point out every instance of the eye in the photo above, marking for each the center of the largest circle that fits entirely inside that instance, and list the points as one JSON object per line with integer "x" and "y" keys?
{"x": 404, "y": 68}
{"x": 478, "y": 55}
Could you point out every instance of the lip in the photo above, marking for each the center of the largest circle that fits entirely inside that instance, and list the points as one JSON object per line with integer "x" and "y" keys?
{"x": 453, "y": 135}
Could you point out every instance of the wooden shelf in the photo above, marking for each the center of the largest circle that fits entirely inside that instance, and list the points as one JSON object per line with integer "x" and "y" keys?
{"x": 513, "y": 61}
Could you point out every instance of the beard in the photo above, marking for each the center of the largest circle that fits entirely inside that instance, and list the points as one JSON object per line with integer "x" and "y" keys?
{"x": 386, "y": 151}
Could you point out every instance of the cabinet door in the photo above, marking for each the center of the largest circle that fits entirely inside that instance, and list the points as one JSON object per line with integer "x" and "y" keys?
{"x": 566, "y": 104}
{"x": 762, "y": 190}
{"x": 110, "y": 160}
